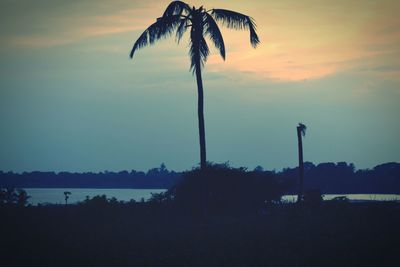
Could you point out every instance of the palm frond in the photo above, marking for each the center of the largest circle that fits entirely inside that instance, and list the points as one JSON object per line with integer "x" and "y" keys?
{"x": 181, "y": 29}
{"x": 162, "y": 28}
{"x": 166, "y": 28}
{"x": 204, "y": 51}
{"x": 302, "y": 128}
{"x": 211, "y": 29}
{"x": 198, "y": 51}
{"x": 176, "y": 8}
{"x": 237, "y": 21}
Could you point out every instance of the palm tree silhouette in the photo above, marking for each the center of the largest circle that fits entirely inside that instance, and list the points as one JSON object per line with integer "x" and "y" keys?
{"x": 301, "y": 131}
{"x": 179, "y": 17}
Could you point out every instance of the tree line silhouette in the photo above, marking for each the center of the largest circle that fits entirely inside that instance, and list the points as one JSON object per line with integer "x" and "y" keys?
{"x": 329, "y": 177}
{"x": 154, "y": 178}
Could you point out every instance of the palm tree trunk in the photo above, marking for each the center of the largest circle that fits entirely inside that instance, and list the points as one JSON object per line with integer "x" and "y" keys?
{"x": 200, "y": 114}
{"x": 301, "y": 166}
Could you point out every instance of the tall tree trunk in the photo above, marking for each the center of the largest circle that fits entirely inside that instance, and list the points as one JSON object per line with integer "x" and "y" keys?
{"x": 301, "y": 165}
{"x": 200, "y": 114}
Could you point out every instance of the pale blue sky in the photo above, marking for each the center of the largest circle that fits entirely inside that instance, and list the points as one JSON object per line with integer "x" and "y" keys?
{"x": 70, "y": 98}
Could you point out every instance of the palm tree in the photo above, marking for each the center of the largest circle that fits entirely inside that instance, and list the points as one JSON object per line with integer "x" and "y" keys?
{"x": 301, "y": 131}
{"x": 179, "y": 17}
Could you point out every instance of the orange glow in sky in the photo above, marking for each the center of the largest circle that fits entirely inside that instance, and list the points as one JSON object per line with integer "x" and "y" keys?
{"x": 300, "y": 39}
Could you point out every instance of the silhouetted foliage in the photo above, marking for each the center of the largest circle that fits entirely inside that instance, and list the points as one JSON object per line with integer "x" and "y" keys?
{"x": 180, "y": 17}
{"x": 342, "y": 178}
{"x": 220, "y": 189}
{"x": 313, "y": 198}
{"x": 340, "y": 200}
{"x": 258, "y": 169}
{"x": 161, "y": 197}
{"x": 66, "y": 195}
{"x": 357, "y": 234}
{"x": 331, "y": 178}
{"x": 100, "y": 202}
{"x": 154, "y": 178}
{"x": 12, "y": 196}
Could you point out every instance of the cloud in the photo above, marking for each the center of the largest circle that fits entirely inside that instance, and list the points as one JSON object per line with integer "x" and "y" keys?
{"x": 314, "y": 39}
{"x": 301, "y": 40}
{"x": 50, "y": 26}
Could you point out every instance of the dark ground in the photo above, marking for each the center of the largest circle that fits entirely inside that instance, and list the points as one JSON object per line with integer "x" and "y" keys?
{"x": 363, "y": 234}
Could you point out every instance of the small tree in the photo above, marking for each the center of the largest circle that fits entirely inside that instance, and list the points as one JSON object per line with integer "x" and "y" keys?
{"x": 66, "y": 194}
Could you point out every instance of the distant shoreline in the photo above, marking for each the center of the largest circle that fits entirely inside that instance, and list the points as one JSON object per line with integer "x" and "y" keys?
{"x": 159, "y": 188}
{"x": 56, "y": 195}
{"x": 329, "y": 178}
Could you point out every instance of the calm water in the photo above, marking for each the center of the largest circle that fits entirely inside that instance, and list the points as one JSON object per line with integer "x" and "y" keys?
{"x": 353, "y": 197}
{"x": 56, "y": 195}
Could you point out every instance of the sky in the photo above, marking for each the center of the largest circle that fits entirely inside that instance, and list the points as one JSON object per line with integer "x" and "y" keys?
{"x": 72, "y": 100}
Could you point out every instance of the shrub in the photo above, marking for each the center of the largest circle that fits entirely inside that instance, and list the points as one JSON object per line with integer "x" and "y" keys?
{"x": 11, "y": 196}
{"x": 100, "y": 202}
{"x": 313, "y": 198}
{"x": 220, "y": 189}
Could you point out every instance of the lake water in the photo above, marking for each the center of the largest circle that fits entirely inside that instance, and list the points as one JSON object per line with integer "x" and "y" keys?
{"x": 56, "y": 195}
{"x": 353, "y": 197}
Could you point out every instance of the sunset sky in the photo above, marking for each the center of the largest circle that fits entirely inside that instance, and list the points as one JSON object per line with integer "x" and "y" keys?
{"x": 71, "y": 99}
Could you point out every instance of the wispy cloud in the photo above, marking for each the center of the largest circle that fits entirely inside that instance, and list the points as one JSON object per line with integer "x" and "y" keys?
{"x": 66, "y": 26}
{"x": 311, "y": 40}
{"x": 300, "y": 39}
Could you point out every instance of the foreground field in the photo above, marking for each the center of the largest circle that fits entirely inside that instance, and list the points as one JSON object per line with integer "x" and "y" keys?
{"x": 363, "y": 234}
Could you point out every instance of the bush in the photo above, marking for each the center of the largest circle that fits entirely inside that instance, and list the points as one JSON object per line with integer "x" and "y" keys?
{"x": 340, "y": 199}
{"x": 14, "y": 197}
{"x": 220, "y": 189}
{"x": 100, "y": 202}
{"x": 158, "y": 198}
{"x": 313, "y": 198}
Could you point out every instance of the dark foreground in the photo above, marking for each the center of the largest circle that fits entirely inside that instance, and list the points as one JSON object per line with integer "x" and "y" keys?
{"x": 364, "y": 234}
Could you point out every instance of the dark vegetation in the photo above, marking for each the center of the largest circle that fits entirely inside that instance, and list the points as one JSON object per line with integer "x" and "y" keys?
{"x": 153, "y": 178}
{"x": 342, "y": 178}
{"x": 330, "y": 178}
{"x": 13, "y": 197}
{"x": 145, "y": 234}
{"x": 220, "y": 190}
{"x": 218, "y": 216}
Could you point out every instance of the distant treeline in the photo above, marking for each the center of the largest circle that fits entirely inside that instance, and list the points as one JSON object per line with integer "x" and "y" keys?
{"x": 330, "y": 178}
{"x": 341, "y": 178}
{"x": 154, "y": 178}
